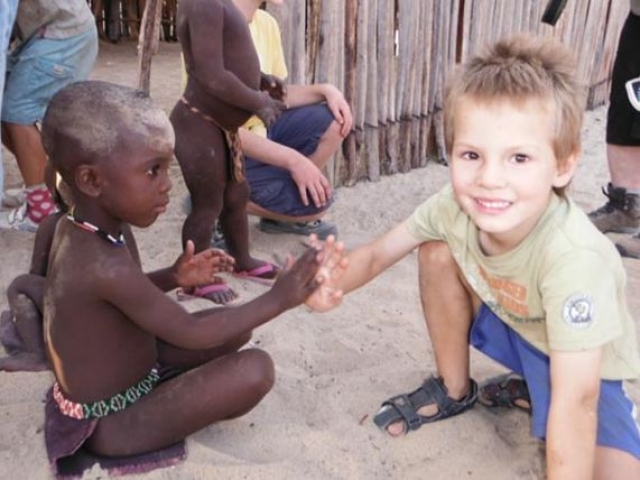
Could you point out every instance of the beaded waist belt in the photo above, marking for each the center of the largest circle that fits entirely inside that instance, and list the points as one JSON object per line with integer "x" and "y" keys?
{"x": 102, "y": 408}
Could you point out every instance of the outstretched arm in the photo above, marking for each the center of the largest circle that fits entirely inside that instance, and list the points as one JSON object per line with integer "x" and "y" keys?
{"x": 573, "y": 414}
{"x": 145, "y": 305}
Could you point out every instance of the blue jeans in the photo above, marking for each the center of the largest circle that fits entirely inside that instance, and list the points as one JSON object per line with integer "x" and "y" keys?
{"x": 272, "y": 188}
{"x": 8, "y": 10}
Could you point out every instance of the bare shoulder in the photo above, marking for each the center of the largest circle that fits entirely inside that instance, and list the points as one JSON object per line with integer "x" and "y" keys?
{"x": 82, "y": 260}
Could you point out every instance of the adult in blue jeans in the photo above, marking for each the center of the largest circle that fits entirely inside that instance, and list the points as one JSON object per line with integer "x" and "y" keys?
{"x": 7, "y": 16}
{"x": 284, "y": 164}
{"x": 57, "y": 43}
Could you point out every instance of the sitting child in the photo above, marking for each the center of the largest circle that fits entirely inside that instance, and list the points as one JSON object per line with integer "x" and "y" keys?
{"x": 508, "y": 263}
{"x": 135, "y": 373}
{"x": 221, "y": 93}
{"x": 21, "y": 328}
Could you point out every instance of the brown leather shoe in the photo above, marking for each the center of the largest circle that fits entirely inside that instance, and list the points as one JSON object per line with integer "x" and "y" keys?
{"x": 621, "y": 214}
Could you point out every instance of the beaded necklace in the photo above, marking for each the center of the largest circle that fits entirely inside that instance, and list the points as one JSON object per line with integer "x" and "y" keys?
{"x": 90, "y": 227}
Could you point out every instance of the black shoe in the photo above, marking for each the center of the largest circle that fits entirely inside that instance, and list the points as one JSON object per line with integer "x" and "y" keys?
{"x": 321, "y": 228}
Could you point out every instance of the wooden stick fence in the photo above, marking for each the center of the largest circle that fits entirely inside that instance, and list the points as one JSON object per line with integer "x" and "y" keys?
{"x": 392, "y": 58}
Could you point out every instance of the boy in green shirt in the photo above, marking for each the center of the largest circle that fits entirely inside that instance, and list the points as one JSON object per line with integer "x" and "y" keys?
{"x": 511, "y": 265}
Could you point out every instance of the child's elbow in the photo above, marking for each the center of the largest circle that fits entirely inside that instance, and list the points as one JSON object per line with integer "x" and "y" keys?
{"x": 582, "y": 398}
{"x": 588, "y": 399}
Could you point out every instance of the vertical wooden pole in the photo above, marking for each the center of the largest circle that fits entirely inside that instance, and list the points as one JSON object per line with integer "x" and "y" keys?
{"x": 350, "y": 28}
{"x": 148, "y": 42}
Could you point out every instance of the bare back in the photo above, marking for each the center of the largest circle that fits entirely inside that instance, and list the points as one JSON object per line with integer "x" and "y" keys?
{"x": 222, "y": 65}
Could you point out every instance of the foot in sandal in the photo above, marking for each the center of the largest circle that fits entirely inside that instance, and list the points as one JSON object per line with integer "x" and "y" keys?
{"x": 428, "y": 403}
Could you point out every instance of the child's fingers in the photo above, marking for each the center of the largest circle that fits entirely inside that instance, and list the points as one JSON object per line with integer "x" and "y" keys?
{"x": 221, "y": 255}
{"x": 314, "y": 242}
{"x": 189, "y": 248}
{"x": 222, "y": 262}
{"x": 332, "y": 253}
{"x": 289, "y": 261}
{"x": 307, "y": 265}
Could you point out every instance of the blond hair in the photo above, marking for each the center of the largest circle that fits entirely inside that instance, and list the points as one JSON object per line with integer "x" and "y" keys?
{"x": 518, "y": 70}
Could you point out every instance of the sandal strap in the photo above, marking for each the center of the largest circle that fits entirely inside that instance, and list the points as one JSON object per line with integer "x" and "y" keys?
{"x": 431, "y": 392}
{"x": 401, "y": 409}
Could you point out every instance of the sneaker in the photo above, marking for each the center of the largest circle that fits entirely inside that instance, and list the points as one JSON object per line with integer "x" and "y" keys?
{"x": 17, "y": 219}
{"x": 629, "y": 247}
{"x": 621, "y": 214}
{"x": 320, "y": 227}
{"x": 14, "y": 197}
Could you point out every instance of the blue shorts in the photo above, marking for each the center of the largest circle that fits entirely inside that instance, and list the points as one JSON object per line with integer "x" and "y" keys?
{"x": 8, "y": 10}
{"x": 272, "y": 188}
{"x": 617, "y": 423}
{"x": 41, "y": 67}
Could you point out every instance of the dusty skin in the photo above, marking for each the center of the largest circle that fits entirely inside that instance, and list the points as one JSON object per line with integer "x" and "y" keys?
{"x": 332, "y": 370}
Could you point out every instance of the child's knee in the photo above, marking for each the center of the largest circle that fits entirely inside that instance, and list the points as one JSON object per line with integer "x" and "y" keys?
{"x": 236, "y": 196}
{"x": 333, "y": 133}
{"x": 19, "y": 284}
{"x": 259, "y": 371}
{"x": 435, "y": 256}
{"x": 205, "y": 209}
{"x": 20, "y": 302}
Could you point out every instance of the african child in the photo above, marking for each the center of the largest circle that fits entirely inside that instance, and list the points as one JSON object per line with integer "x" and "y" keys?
{"x": 222, "y": 92}
{"x": 135, "y": 373}
{"x": 21, "y": 327}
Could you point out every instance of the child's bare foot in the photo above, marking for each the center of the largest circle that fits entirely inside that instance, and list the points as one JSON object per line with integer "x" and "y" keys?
{"x": 24, "y": 362}
{"x": 428, "y": 403}
{"x": 258, "y": 271}
{"x": 218, "y": 292}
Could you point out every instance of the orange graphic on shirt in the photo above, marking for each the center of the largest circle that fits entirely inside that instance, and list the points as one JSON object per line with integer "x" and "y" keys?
{"x": 510, "y": 295}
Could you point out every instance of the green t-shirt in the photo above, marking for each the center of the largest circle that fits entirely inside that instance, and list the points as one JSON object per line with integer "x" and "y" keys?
{"x": 562, "y": 288}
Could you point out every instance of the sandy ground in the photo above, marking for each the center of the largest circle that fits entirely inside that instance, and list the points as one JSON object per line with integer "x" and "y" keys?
{"x": 333, "y": 370}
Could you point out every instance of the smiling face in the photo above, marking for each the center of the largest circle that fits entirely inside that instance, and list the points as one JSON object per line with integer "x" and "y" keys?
{"x": 503, "y": 167}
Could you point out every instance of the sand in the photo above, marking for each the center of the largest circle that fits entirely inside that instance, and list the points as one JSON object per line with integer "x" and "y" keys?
{"x": 333, "y": 370}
